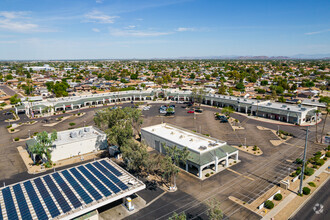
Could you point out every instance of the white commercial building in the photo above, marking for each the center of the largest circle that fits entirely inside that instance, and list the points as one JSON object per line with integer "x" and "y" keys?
{"x": 204, "y": 152}
{"x": 76, "y": 142}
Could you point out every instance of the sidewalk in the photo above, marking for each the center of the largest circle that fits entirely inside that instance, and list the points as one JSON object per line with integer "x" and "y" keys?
{"x": 293, "y": 195}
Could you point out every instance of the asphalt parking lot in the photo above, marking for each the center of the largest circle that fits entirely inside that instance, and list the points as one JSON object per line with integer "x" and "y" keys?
{"x": 265, "y": 170}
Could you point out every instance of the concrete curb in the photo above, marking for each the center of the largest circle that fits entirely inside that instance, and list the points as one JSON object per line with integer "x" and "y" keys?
{"x": 302, "y": 205}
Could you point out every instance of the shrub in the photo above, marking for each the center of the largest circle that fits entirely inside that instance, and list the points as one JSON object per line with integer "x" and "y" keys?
{"x": 63, "y": 111}
{"x": 319, "y": 162}
{"x": 48, "y": 165}
{"x": 12, "y": 129}
{"x": 16, "y": 139}
{"x": 207, "y": 175}
{"x": 328, "y": 147}
{"x": 240, "y": 145}
{"x": 306, "y": 190}
{"x": 255, "y": 148}
{"x": 309, "y": 171}
{"x": 72, "y": 124}
{"x": 78, "y": 113}
{"x": 278, "y": 197}
{"x": 315, "y": 166}
{"x": 9, "y": 126}
{"x": 294, "y": 174}
{"x": 327, "y": 154}
{"x": 211, "y": 172}
{"x": 299, "y": 161}
{"x": 312, "y": 184}
{"x": 318, "y": 153}
{"x": 269, "y": 204}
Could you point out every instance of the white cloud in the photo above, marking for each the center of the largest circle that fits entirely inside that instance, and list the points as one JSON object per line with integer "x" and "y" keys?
{"x": 182, "y": 29}
{"x": 96, "y": 16}
{"x": 131, "y": 27}
{"x": 96, "y": 30}
{"x": 99, "y": 1}
{"x": 136, "y": 33}
{"x": 17, "y": 21}
{"x": 317, "y": 32}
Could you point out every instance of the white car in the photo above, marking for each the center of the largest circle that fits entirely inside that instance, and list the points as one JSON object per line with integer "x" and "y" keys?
{"x": 146, "y": 108}
{"x": 180, "y": 102}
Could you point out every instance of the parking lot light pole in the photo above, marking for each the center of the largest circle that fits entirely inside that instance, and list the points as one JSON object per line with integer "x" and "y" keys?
{"x": 303, "y": 166}
{"x": 84, "y": 123}
{"x": 29, "y": 134}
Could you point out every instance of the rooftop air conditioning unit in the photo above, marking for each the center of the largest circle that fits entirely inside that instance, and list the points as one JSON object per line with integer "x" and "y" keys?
{"x": 288, "y": 108}
{"x": 191, "y": 140}
{"x": 269, "y": 103}
{"x": 181, "y": 136}
{"x": 73, "y": 134}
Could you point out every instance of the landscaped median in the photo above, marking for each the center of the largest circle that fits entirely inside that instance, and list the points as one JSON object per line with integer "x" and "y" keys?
{"x": 254, "y": 150}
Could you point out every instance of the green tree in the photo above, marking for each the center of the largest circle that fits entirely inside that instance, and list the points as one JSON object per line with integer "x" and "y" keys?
{"x": 227, "y": 111}
{"x": 177, "y": 156}
{"x": 240, "y": 86}
{"x": 176, "y": 216}
{"x": 222, "y": 88}
{"x": 135, "y": 155}
{"x": 264, "y": 82}
{"x": 214, "y": 212}
{"x": 43, "y": 142}
{"x": 192, "y": 76}
{"x": 281, "y": 99}
{"x": 14, "y": 99}
{"x": 119, "y": 123}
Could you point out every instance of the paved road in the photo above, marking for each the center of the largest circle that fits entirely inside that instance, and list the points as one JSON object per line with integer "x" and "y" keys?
{"x": 9, "y": 91}
{"x": 322, "y": 197}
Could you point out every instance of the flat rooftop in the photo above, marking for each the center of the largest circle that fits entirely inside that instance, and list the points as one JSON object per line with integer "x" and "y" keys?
{"x": 68, "y": 193}
{"x": 78, "y": 134}
{"x": 182, "y": 137}
{"x": 285, "y": 107}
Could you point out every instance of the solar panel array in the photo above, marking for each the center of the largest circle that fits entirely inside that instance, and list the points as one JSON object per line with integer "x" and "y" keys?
{"x": 60, "y": 193}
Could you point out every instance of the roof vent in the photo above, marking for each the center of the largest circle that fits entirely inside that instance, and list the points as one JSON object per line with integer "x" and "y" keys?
{"x": 288, "y": 108}
{"x": 86, "y": 129}
{"x": 81, "y": 132}
{"x": 181, "y": 136}
{"x": 202, "y": 148}
{"x": 191, "y": 140}
{"x": 269, "y": 103}
{"x": 172, "y": 132}
{"x": 283, "y": 106}
{"x": 73, "y": 134}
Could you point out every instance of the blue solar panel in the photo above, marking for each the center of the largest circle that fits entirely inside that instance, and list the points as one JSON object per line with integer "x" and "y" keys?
{"x": 39, "y": 210}
{"x": 96, "y": 183}
{"x": 47, "y": 198}
{"x": 87, "y": 199}
{"x": 9, "y": 203}
{"x": 22, "y": 205}
{"x": 111, "y": 168}
{"x": 57, "y": 194}
{"x": 114, "y": 179}
{"x": 105, "y": 180}
{"x": 86, "y": 184}
{"x": 66, "y": 190}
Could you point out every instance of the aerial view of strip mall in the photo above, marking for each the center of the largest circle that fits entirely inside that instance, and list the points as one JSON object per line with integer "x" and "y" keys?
{"x": 164, "y": 110}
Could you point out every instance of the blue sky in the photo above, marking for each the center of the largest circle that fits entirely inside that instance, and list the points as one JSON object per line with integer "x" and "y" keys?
{"x": 110, "y": 29}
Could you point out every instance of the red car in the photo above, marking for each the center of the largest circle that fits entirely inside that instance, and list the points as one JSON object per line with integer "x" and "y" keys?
{"x": 191, "y": 111}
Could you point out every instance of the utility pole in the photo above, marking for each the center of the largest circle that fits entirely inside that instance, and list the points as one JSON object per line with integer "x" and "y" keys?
{"x": 303, "y": 166}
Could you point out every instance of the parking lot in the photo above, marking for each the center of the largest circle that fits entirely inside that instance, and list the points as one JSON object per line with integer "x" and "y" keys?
{"x": 262, "y": 171}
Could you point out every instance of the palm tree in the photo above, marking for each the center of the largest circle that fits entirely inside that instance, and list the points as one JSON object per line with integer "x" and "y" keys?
{"x": 227, "y": 111}
{"x": 317, "y": 114}
{"x": 43, "y": 142}
{"x": 325, "y": 120}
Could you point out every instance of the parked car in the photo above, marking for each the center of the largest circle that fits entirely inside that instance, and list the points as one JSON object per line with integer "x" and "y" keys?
{"x": 172, "y": 106}
{"x": 224, "y": 120}
{"x": 199, "y": 110}
{"x": 7, "y": 113}
{"x": 220, "y": 117}
{"x": 180, "y": 102}
{"x": 191, "y": 111}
